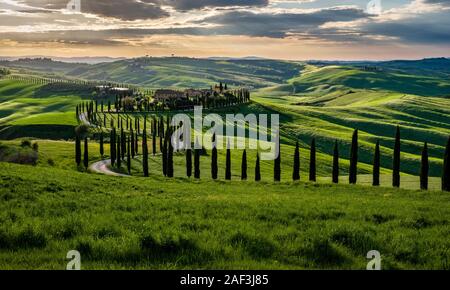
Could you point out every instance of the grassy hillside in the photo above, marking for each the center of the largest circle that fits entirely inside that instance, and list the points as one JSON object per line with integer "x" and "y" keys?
{"x": 330, "y": 102}
{"x": 37, "y": 110}
{"x": 173, "y": 72}
{"x": 124, "y": 223}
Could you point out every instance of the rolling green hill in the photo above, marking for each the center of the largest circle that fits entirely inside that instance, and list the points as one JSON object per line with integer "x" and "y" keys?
{"x": 171, "y": 72}
{"x": 37, "y": 110}
{"x": 329, "y": 102}
{"x": 126, "y": 223}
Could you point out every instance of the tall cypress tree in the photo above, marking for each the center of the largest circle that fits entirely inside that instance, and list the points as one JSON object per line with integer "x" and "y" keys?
{"x": 169, "y": 157}
{"x": 136, "y": 144}
{"x": 86, "y": 154}
{"x": 189, "y": 163}
{"x": 228, "y": 163}
{"x": 132, "y": 144}
{"x": 354, "y": 159}
{"x": 424, "y": 168}
{"x": 197, "y": 161}
{"x": 112, "y": 146}
{"x": 244, "y": 166}
{"x": 376, "y": 165}
{"x": 312, "y": 161}
{"x": 145, "y": 153}
{"x": 336, "y": 163}
{"x": 214, "y": 168}
{"x": 119, "y": 155}
{"x": 296, "y": 171}
{"x": 257, "y": 169}
{"x": 164, "y": 157}
{"x": 77, "y": 150}
{"x": 123, "y": 140}
{"x": 396, "y": 160}
{"x": 446, "y": 168}
{"x": 154, "y": 142}
{"x": 102, "y": 148}
{"x": 277, "y": 162}
{"x": 129, "y": 155}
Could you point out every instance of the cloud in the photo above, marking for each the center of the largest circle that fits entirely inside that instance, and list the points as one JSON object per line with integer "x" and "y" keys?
{"x": 127, "y": 10}
{"x": 186, "y": 5}
{"x": 429, "y": 28}
{"x": 279, "y": 25}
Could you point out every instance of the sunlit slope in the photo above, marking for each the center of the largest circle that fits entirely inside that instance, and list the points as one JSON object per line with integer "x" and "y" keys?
{"x": 189, "y": 72}
{"x": 329, "y": 102}
{"x": 36, "y": 108}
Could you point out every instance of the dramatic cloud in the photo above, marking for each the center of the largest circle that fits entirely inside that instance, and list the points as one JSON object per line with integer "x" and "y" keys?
{"x": 279, "y": 25}
{"x": 186, "y": 5}
{"x": 120, "y": 9}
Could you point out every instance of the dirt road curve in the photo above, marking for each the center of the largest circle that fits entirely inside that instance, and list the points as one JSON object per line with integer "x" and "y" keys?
{"x": 102, "y": 168}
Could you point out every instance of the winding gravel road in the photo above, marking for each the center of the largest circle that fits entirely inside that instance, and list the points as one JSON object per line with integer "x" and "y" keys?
{"x": 102, "y": 168}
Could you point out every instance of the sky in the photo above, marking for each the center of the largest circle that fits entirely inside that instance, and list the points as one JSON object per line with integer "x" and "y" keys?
{"x": 279, "y": 29}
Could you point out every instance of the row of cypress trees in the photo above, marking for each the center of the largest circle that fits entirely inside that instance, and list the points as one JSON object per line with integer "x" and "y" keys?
{"x": 122, "y": 144}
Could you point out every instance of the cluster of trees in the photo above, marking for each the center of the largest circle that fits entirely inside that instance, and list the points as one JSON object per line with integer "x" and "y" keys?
{"x": 123, "y": 147}
{"x": 127, "y": 145}
{"x": 4, "y": 71}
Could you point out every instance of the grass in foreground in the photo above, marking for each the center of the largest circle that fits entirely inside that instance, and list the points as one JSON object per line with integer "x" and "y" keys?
{"x": 129, "y": 223}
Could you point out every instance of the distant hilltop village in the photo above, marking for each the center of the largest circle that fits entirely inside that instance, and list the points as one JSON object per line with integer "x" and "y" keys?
{"x": 167, "y": 95}
{"x": 128, "y": 99}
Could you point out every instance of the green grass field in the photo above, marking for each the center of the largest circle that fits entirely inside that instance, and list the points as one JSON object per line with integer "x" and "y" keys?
{"x": 131, "y": 223}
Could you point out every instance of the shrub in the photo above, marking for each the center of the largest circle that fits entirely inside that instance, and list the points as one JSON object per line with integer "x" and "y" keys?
{"x": 25, "y": 143}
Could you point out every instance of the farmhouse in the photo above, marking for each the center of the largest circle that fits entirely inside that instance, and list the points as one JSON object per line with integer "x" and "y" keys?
{"x": 165, "y": 95}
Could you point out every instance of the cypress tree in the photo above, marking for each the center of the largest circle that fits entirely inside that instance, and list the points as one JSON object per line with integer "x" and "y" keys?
{"x": 312, "y": 161}
{"x": 354, "y": 159}
{"x": 154, "y": 143}
{"x": 446, "y": 168}
{"x": 169, "y": 158}
{"x": 228, "y": 163}
{"x": 277, "y": 163}
{"x": 77, "y": 150}
{"x": 424, "y": 168}
{"x": 132, "y": 144}
{"x": 164, "y": 157}
{"x": 197, "y": 161}
{"x": 214, "y": 168}
{"x": 396, "y": 160}
{"x": 119, "y": 156}
{"x": 112, "y": 143}
{"x": 129, "y": 156}
{"x": 376, "y": 165}
{"x": 257, "y": 169}
{"x": 145, "y": 154}
{"x": 123, "y": 143}
{"x": 244, "y": 166}
{"x": 86, "y": 154}
{"x": 296, "y": 171}
{"x": 161, "y": 141}
{"x": 189, "y": 163}
{"x": 336, "y": 163}
{"x": 102, "y": 149}
{"x": 136, "y": 144}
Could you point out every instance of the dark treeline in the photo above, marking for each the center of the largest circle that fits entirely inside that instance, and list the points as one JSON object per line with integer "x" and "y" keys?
{"x": 124, "y": 147}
